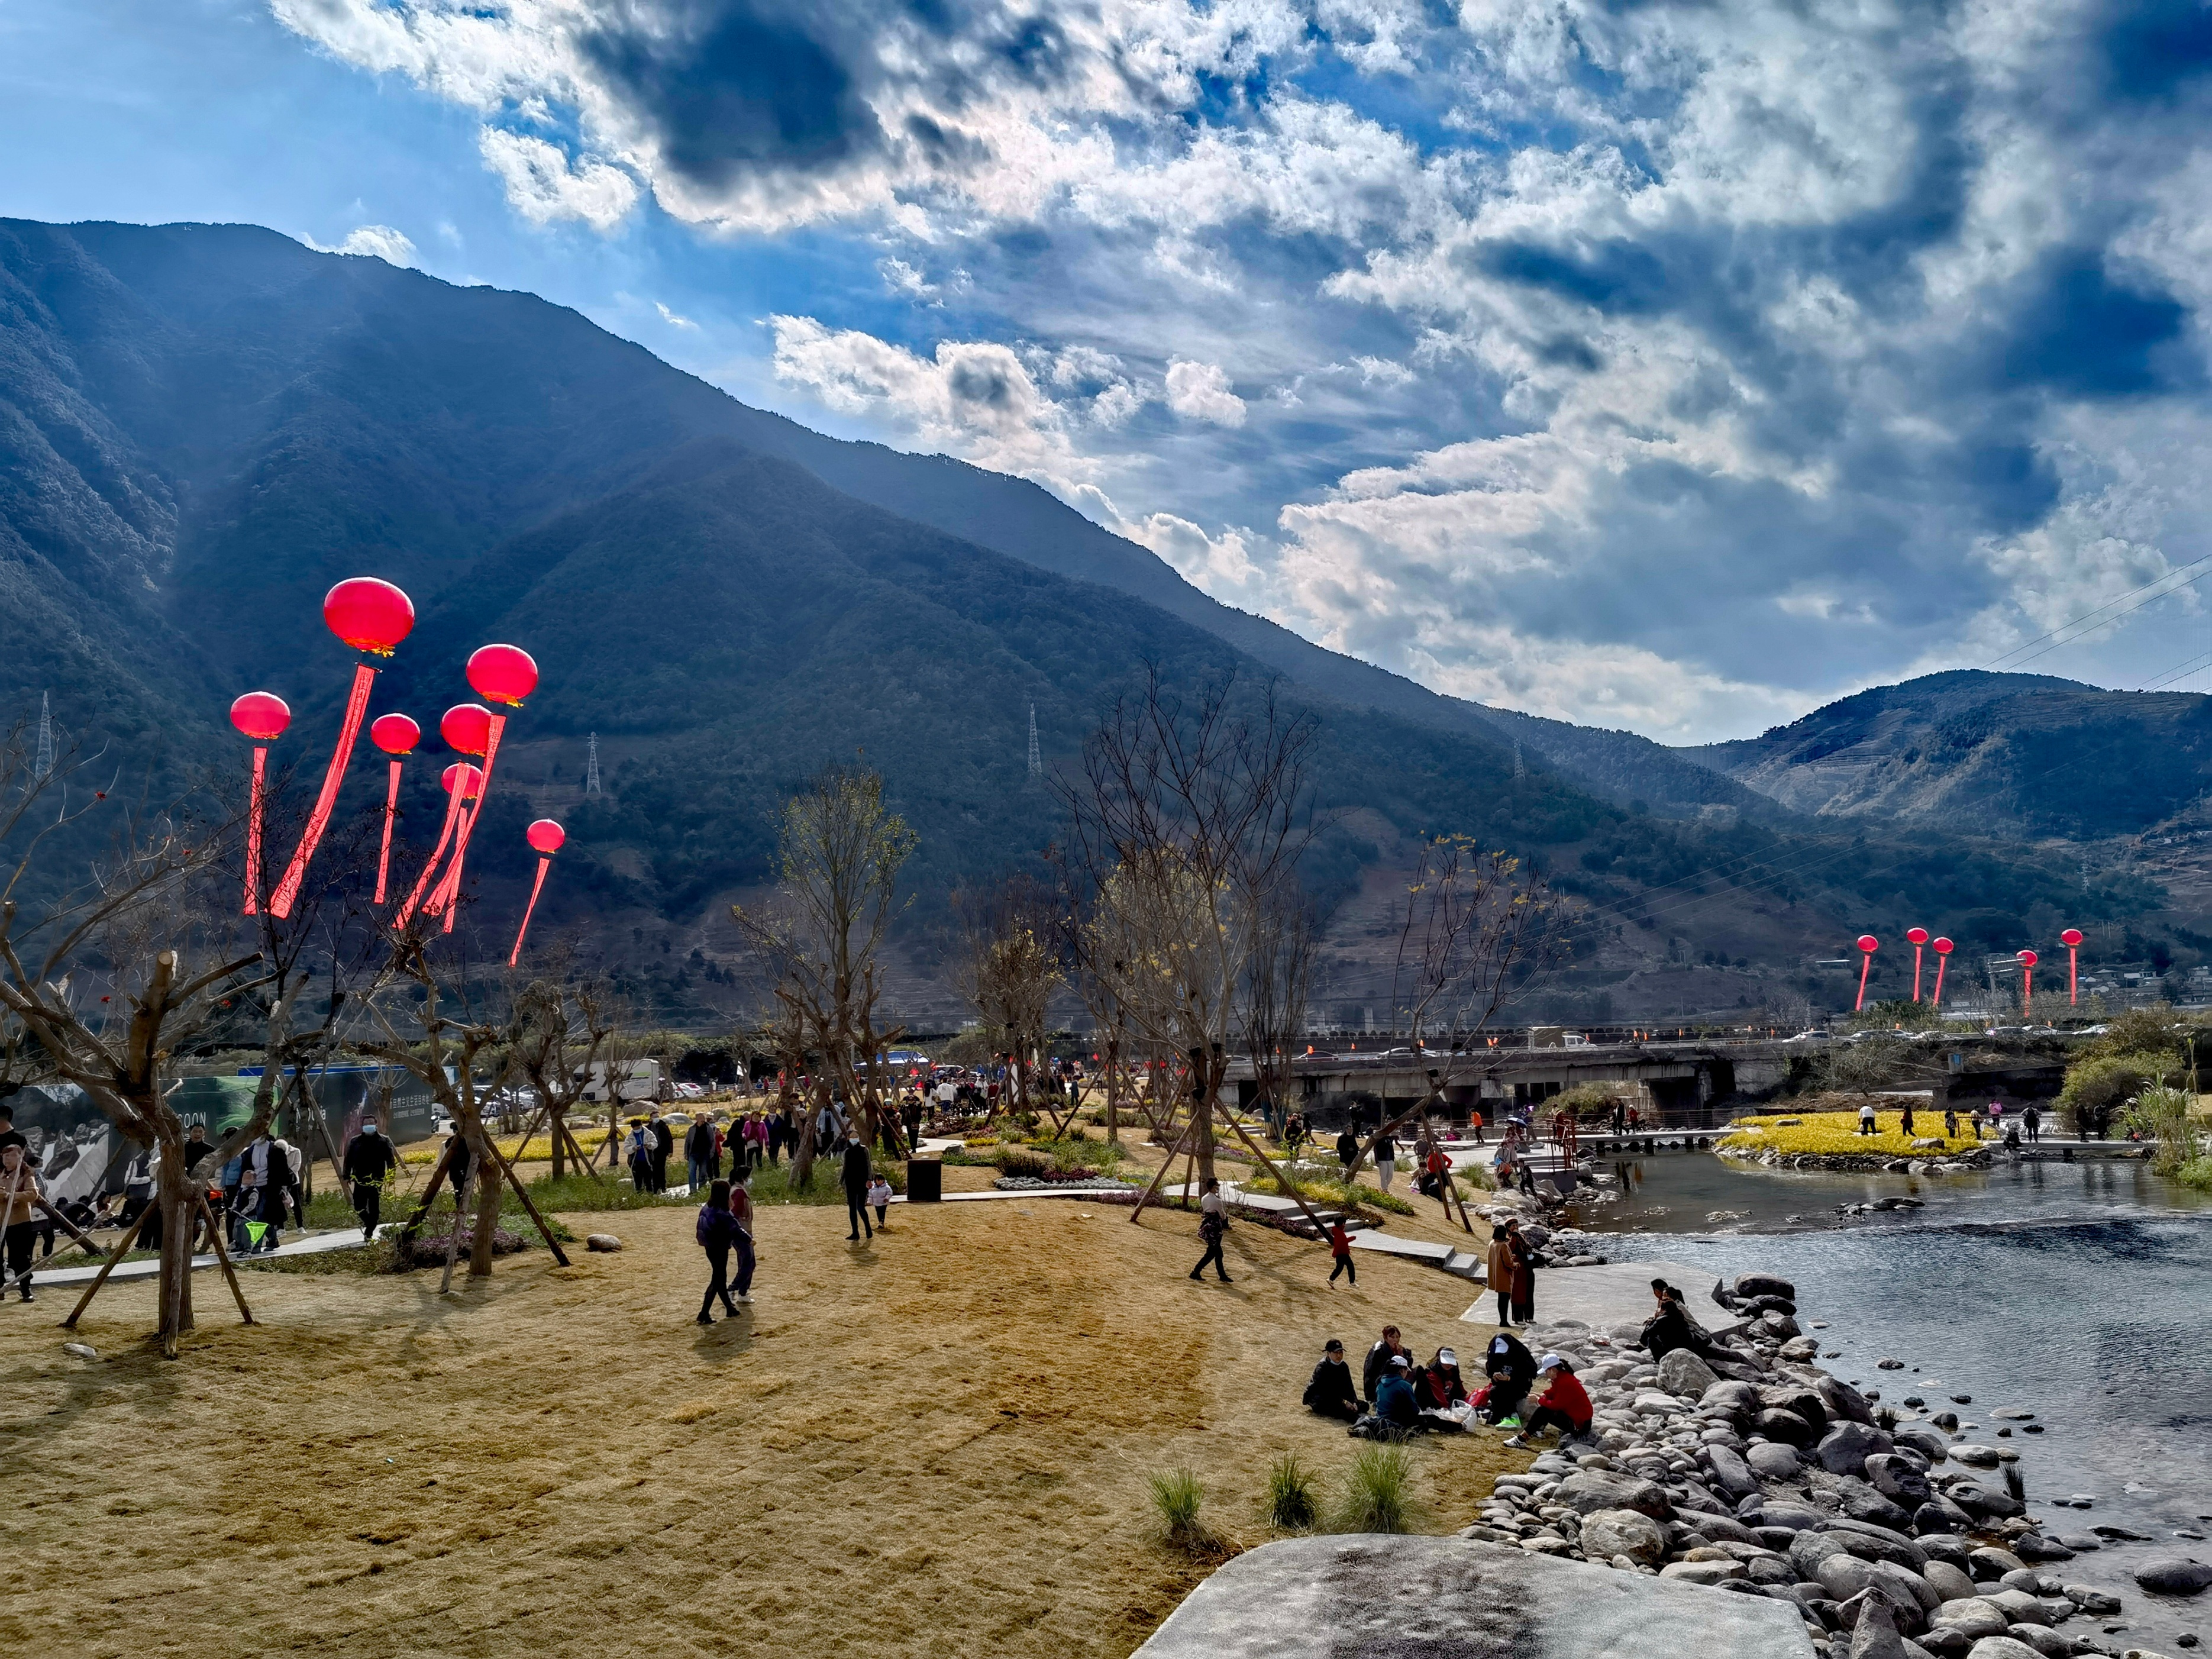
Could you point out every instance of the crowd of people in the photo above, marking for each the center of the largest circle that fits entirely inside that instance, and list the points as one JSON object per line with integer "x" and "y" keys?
{"x": 1396, "y": 1395}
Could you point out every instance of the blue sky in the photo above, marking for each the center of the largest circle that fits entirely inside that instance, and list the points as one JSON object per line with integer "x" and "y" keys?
{"x": 1675, "y": 367}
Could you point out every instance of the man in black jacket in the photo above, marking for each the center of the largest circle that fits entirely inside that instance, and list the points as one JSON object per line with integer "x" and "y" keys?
{"x": 370, "y": 1157}
{"x": 855, "y": 1173}
{"x": 1330, "y": 1391}
{"x": 699, "y": 1152}
{"x": 664, "y": 1148}
{"x": 1378, "y": 1360}
{"x": 268, "y": 1172}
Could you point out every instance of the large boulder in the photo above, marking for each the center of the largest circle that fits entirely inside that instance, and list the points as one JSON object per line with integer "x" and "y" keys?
{"x": 2175, "y": 1576}
{"x": 1703, "y": 1572}
{"x": 1683, "y": 1373}
{"x": 1919, "y": 1436}
{"x": 1779, "y": 1327}
{"x": 1901, "y": 1482}
{"x": 1591, "y": 1490}
{"x": 1875, "y": 1636}
{"x": 1845, "y": 1447}
{"x": 1910, "y": 1586}
{"x": 1751, "y": 1285}
{"x": 1730, "y": 1472}
{"x": 1608, "y": 1532}
{"x": 2032, "y": 1546}
{"x": 1786, "y": 1427}
{"x": 1845, "y": 1404}
{"x": 1772, "y": 1459}
{"x": 2019, "y": 1607}
{"x": 1795, "y": 1397}
{"x": 1988, "y": 1563}
{"x": 1975, "y": 1617}
{"x": 1729, "y": 1402}
{"x": 1981, "y": 1503}
{"x": 2048, "y": 1643}
{"x": 1842, "y": 1576}
{"x": 2002, "y": 1647}
{"x": 1876, "y": 1543}
{"x": 1948, "y": 1582}
{"x": 1862, "y": 1503}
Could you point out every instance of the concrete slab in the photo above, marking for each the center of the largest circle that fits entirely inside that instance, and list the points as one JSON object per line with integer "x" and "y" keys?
{"x": 1373, "y": 1597}
{"x": 1618, "y": 1293}
{"x": 347, "y": 1238}
{"x": 1417, "y": 1249}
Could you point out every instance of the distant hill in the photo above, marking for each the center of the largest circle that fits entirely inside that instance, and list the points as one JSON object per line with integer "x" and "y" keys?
{"x": 202, "y": 427}
{"x": 1979, "y": 753}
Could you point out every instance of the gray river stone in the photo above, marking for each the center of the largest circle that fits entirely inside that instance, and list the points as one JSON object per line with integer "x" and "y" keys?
{"x": 1771, "y": 1460}
{"x": 1595, "y": 1489}
{"x": 1845, "y": 1404}
{"x": 1608, "y": 1532}
{"x": 1898, "y": 1480}
{"x": 1875, "y": 1636}
{"x": 1682, "y": 1372}
{"x": 2175, "y": 1576}
{"x": 1845, "y": 1447}
{"x": 1376, "y": 1597}
{"x": 2002, "y": 1647}
{"x": 1947, "y": 1582}
{"x": 1730, "y": 1472}
{"x": 1977, "y": 1616}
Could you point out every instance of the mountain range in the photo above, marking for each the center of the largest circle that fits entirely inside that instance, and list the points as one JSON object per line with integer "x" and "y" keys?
{"x": 202, "y": 427}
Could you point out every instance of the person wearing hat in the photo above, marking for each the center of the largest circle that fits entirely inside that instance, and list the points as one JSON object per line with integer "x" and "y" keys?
{"x": 1329, "y": 1392}
{"x": 1565, "y": 1404}
{"x": 1212, "y": 1227}
{"x": 1396, "y": 1403}
{"x": 1439, "y": 1387}
{"x": 1510, "y": 1368}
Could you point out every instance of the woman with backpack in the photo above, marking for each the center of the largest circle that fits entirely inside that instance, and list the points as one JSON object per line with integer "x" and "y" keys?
{"x": 717, "y": 1231}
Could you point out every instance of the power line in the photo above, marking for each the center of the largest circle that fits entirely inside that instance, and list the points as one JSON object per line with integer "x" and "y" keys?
{"x": 2089, "y": 621}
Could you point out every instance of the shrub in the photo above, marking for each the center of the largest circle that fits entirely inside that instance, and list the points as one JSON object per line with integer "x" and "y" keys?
{"x": 1176, "y": 1494}
{"x": 1378, "y": 1494}
{"x": 1021, "y": 1161}
{"x": 1589, "y": 1103}
{"x": 1317, "y": 1190}
{"x": 1289, "y": 1494}
{"x": 2097, "y": 1088}
{"x": 2164, "y": 1112}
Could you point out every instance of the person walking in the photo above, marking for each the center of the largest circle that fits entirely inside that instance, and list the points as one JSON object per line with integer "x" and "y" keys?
{"x": 1340, "y": 1246}
{"x": 741, "y": 1206}
{"x": 1524, "y": 1273}
{"x": 1497, "y": 1271}
{"x": 855, "y": 1172}
{"x": 1950, "y": 1123}
{"x": 1440, "y": 1177}
{"x": 664, "y": 1148}
{"x": 879, "y": 1200}
{"x": 2031, "y": 1118}
{"x": 699, "y": 1153}
{"x": 19, "y": 1201}
{"x": 1904, "y": 1119}
{"x": 716, "y": 1231}
{"x": 370, "y": 1159}
{"x": 1212, "y": 1227}
{"x": 1347, "y": 1151}
{"x": 1386, "y": 1158}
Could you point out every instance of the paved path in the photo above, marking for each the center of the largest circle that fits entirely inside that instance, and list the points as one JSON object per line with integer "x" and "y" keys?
{"x": 1618, "y": 1293}
{"x": 347, "y": 1238}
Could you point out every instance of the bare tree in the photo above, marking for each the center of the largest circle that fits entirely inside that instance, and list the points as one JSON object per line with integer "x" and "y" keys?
{"x": 1186, "y": 817}
{"x": 561, "y": 1029}
{"x": 1009, "y": 969}
{"x": 1276, "y": 982}
{"x": 817, "y": 939}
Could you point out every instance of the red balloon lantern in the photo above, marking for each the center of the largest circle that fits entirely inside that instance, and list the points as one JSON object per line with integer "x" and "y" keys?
{"x": 1915, "y": 937}
{"x": 462, "y": 780}
{"x": 1867, "y": 944}
{"x": 502, "y": 673}
{"x": 369, "y": 615}
{"x": 545, "y": 838}
{"x": 466, "y": 728}
{"x": 462, "y": 783}
{"x": 1942, "y": 950}
{"x": 395, "y": 735}
{"x": 2071, "y": 939}
{"x": 262, "y": 716}
{"x": 2027, "y": 961}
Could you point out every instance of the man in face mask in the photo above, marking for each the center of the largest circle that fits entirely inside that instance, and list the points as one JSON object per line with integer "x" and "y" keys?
{"x": 370, "y": 1159}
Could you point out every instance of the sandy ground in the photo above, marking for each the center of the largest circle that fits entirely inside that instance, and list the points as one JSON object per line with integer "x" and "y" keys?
{"x": 936, "y": 1443}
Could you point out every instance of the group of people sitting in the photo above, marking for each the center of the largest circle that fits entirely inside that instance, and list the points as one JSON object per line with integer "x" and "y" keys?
{"x": 1401, "y": 1396}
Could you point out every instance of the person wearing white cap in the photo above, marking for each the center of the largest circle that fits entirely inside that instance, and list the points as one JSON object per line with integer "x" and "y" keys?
{"x": 1439, "y": 1387}
{"x": 1564, "y": 1405}
{"x": 1394, "y": 1400}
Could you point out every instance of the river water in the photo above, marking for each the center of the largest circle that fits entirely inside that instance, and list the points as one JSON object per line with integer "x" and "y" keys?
{"x": 2079, "y": 1292}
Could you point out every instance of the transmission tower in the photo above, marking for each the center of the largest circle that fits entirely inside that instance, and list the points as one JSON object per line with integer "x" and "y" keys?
{"x": 1036, "y": 762}
{"x": 45, "y": 766}
{"x": 592, "y": 767}
{"x": 1519, "y": 770}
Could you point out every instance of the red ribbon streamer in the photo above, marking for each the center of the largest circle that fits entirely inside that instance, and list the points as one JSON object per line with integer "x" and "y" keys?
{"x": 384, "y": 859}
{"x": 446, "y": 835}
{"x": 536, "y": 887}
{"x": 450, "y": 889}
{"x": 253, "y": 833}
{"x": 280, "y": 905}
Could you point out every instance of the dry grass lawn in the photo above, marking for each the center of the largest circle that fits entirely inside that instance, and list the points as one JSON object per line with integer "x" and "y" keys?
{"x": 937, "y": 1444}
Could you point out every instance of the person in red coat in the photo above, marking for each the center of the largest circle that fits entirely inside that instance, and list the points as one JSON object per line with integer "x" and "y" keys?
{"x": 1564, "y": 1405}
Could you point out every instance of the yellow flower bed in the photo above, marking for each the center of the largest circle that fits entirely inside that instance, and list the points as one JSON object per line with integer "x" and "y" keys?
{"x": 540, "y": 1148}
{"x": 1837, "y": 1133}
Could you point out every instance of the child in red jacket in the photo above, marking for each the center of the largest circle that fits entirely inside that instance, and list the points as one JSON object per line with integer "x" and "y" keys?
{"x": 1340, "y": 1246}
{"x": 1564, "y": 1405}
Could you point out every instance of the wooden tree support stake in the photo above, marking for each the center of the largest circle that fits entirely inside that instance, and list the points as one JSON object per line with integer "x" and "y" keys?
{"x": 1166, "y": 1164}
{"x": 1282, "y": 1184}
{"x": 122, "y": 1250}
{"x": 222, "y": 1258}
{"x": 429, "y": 1193}
{"x": 546, "y": 1232}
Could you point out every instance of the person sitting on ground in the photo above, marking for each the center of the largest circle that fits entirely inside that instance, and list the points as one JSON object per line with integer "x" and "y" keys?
{"x": 1396, "y": 1403}
{"x": 1389, "y": 1348}
{"x": 1439, "y": 1387}
{"x": 1329, "y": 1392}
{"x": 1510, "y": 1368}
{"x": 1671, "y": 1326}
{"x": 1564, "y": 1405}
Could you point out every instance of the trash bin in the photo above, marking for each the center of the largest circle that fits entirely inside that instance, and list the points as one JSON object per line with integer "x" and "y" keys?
{"x": 924, "y": 1181}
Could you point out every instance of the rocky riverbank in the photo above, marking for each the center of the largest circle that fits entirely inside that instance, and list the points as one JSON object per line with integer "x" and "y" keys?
{"x": 1751, "y": 1470}
{"x": 1970, "y": 1161}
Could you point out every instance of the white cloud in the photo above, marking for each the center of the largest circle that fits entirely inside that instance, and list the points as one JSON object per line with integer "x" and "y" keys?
{"x": 543, "y": 187}
{"x": 1200, "y": 391}
{"x": 671, "y": 319}
{"x": 372, "y": 242}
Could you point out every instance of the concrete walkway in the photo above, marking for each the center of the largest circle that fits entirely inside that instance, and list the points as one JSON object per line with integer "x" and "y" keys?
{"x": 347, "y": 1238}
{"x": 1618, "y": 1293}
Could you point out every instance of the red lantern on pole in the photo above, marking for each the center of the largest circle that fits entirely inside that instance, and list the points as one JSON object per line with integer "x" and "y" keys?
{"x": 397, "y": 736}
{"x": 2027, "y": 961}
{"x": 369, "y": 615}
{"x": 504, "y": 674}
{"x": 1868, "y": 946}
{"x": 2071, "y": 939}
{"x": 467, "y": 729}
{"x": 545, "y": 838}
{"x": 1942, "y": 949}
{"x": 262, "y": 716}
{"x": 1917, "y": 937}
